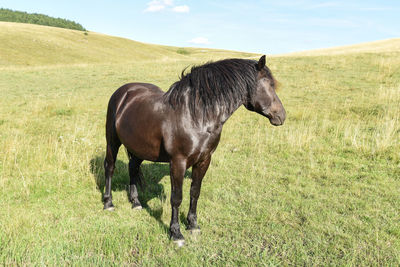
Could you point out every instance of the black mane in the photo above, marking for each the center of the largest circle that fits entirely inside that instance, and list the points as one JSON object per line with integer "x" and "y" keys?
{"x": 223, "y": 84}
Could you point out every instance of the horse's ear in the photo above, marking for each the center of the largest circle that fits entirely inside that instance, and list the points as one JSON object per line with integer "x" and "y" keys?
{"x": 261, "y": 63}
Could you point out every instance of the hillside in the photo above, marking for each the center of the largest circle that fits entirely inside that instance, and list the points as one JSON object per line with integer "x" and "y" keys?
{"x": 28, "y": 44}
{"x": 381, "y": 46}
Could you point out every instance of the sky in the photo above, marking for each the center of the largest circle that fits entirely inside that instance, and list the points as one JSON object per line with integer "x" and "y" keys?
{"x": 261, "y": 26}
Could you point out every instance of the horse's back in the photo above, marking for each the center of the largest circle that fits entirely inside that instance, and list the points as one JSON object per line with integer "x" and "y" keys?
{"x": 133, "y": 88}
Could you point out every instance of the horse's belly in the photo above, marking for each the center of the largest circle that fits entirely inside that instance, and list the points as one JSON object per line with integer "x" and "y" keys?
{"x": 149, "y": 155}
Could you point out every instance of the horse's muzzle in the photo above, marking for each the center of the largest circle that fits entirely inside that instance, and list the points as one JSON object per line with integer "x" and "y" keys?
{"x": 278, "y": 118}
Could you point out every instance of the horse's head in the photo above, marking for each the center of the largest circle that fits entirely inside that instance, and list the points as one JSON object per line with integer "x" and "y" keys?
{"x": 264, "y": 99}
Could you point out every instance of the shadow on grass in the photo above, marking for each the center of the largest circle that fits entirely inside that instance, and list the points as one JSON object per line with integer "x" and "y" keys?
{"x": 150, "y": 189}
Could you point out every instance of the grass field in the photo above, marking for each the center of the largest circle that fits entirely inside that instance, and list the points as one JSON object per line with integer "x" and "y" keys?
{"x": 324, "y": 189}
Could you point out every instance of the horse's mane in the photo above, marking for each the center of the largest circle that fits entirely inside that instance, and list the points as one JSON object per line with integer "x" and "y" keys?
{"x": 221, "y": 84}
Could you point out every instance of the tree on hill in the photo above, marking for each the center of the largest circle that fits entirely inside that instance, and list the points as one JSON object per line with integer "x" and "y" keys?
{"x": 34, "y": 18}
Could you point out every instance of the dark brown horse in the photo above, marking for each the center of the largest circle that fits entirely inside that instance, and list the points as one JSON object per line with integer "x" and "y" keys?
{"x": 183, "y": 126}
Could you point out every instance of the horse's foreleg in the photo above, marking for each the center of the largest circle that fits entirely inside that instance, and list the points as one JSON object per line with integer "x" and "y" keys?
{"x": 198, "y": 172}
{"x": 109, "y": 166}
{"x": 134, "y": 173}
{"x": 177, "y": 172}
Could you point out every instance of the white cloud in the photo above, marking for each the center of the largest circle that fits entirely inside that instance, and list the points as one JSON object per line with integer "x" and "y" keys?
{"x": 158, "y": 5}
{"x": 154, "y": 8}
{"x": 199, "y": 40}
{"x": 181, "y": 9}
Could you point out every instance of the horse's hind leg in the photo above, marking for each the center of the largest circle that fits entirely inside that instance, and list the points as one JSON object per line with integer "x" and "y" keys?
{"x": 109, "y": 166}
{"x": 134, "y": 174}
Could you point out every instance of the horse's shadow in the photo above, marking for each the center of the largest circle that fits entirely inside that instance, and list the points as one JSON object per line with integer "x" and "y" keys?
{"x": 150, "y": 188}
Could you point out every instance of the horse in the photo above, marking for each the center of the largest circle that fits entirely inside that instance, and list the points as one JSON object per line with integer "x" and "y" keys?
{"x": 183, "y": 125}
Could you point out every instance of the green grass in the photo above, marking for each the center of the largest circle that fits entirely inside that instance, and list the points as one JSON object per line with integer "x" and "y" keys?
{"x": 324, "y": 189}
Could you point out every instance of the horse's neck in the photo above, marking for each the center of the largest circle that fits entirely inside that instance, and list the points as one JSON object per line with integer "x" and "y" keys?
{"x": 225, "y": 115}
{"x": 217, "y": 119}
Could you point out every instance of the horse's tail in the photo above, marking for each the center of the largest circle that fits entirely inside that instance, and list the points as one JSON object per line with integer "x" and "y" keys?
{"x": 110, "y": 119}
{"x": 113, "y": 105}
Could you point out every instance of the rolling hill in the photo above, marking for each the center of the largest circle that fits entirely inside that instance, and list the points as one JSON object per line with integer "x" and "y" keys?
{"x": 28, "y": 44}
{"x": 381, "y": 46}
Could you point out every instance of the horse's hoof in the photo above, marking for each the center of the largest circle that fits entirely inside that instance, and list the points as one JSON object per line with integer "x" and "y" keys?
{"x": 138, "y": 207}
{"x": 196, "y": 231}
{"x": 109, "y": 208}
{"x": 179, "y": 243}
